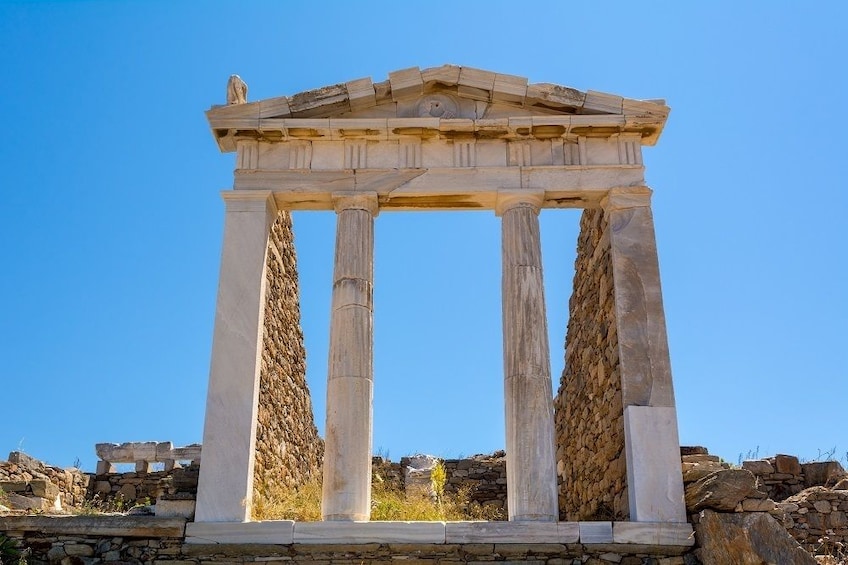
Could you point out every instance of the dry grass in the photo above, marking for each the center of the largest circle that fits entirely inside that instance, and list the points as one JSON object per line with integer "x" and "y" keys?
{"x": 387, "y": 503}
{"x": 274, "y": 502}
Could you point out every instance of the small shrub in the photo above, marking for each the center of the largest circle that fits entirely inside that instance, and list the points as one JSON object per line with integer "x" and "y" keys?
{"x": 9, "y": 552}
{"x": 97, "y": 505}
{"x": 438, "y": 476}
{"x": 831, "y": 552}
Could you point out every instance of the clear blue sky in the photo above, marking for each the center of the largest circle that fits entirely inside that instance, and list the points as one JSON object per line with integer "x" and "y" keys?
{"x": 111, "y": 220}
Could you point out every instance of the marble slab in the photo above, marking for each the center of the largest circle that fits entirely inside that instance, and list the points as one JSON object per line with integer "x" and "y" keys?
{"x": 272, "y": 531}
{"x": 653, "y": 533}
{"x": 512, "y": 532}
{"x": 654, "y": 477}
{"x": 596, "y": 532}
{"x": 283, "y": 532}
{"x": 369, "y": 532}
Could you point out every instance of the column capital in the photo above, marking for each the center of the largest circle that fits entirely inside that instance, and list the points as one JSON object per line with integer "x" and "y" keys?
{"x": 356, "y": 201}
{"x": 624, "y": 197}
{"x": 249, "y": 201}
{"x": 508, "y": 199}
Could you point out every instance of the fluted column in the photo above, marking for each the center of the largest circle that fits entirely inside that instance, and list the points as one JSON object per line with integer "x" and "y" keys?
{"x": 528, "y": 395}
{"x": 652, "y": 448}
{"x": 225, "y": 486}
{"x": 347, "y": 443}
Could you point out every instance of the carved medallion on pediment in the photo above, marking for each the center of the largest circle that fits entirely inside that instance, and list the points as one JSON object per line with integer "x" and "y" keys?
{"x": 437, "y": 106}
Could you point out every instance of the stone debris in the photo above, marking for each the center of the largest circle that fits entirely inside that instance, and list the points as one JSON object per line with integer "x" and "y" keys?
{"x": 746, "y": 539}
{"x": 418, "y": 472}
{"x": 698, "y": 466}
{"x": 816, "y": 517}
{"x": 722, "y": 490}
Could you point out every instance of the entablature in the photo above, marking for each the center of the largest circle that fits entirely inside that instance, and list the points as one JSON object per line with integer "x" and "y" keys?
{"x": 444, "y": 189}
{"x": 438, "y": 151}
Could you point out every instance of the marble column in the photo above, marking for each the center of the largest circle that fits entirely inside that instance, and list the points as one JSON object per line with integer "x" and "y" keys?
{"x": 652, "y": 447}
{"x": 347, "y": 444}
{"x": 528, "y": 395}
{"x": 225, "y": 486}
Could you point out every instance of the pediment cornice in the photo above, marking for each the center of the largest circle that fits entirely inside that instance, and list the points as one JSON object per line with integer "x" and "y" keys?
{"x": 441, "y": 102}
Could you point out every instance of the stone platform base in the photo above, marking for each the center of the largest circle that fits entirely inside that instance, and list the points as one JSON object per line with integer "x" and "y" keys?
{"x": 172, "y": 540}
{"x": 584, "y": 533}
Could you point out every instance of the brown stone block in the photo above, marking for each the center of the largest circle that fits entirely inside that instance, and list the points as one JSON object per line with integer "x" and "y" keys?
{"x": 787, "y": 464}
{"x": 721, "y": 490}
{"x": 820, "y": 473}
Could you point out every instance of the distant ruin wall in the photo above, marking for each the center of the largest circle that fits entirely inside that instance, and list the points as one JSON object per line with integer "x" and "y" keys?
{"x": 115, "y": 490}
{"x": 481, "y": 478}
{"x": 288, "y": 449}
{"x": 73, "y": 485}
{"x": 588, "y": 412}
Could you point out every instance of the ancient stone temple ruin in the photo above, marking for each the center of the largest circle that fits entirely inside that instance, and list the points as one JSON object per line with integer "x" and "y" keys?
{"x": 600, "y": 462}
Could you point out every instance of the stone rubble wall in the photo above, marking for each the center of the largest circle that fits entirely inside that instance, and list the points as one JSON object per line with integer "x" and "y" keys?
{"x": 73, "y": 485}
{"x": 483, "y": 477}
{"x": 84, "y": 549}
{"x": 589, "y": 416}
{"x": 115, "y": 490}
{"x": 812, "y": 499}
{"x": 817, "y": 518}
{"x": 288, "y": 449}
{"x": 782, "y": 476}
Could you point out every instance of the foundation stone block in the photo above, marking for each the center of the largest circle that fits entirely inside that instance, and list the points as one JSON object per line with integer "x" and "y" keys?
{"x": 654, "y": 475}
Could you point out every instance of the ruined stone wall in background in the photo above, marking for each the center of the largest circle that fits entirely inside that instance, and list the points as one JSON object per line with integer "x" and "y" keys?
{"x": 588, "y": 412}
{"x": 483, "y": 477}
{"x": 124, "y": 490}
{"x": 37, "y": 479}
{"x": 480, "y": 478}
{"x": 288, "y": 448}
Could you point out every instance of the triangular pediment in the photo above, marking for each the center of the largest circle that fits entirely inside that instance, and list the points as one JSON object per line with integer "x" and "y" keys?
{"x": 448, "y": 92}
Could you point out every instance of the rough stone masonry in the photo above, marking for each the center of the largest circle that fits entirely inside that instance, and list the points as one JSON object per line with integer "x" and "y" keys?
{"x": 288, "y": 448}
{"x": 589, "y": 414}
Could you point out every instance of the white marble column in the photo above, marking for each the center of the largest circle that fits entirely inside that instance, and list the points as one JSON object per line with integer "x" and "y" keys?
{"x": 528, "y": 396}
{"x": 652, "y": 447}
{"x": 225, "y": 486}
{"x": 347, "y": 443}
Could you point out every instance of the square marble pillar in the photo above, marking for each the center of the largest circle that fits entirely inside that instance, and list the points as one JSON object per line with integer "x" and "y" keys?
{"x": 652, "y": 448}
{"x": 640, "y": 318}
{"x": 225, "y": 487}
